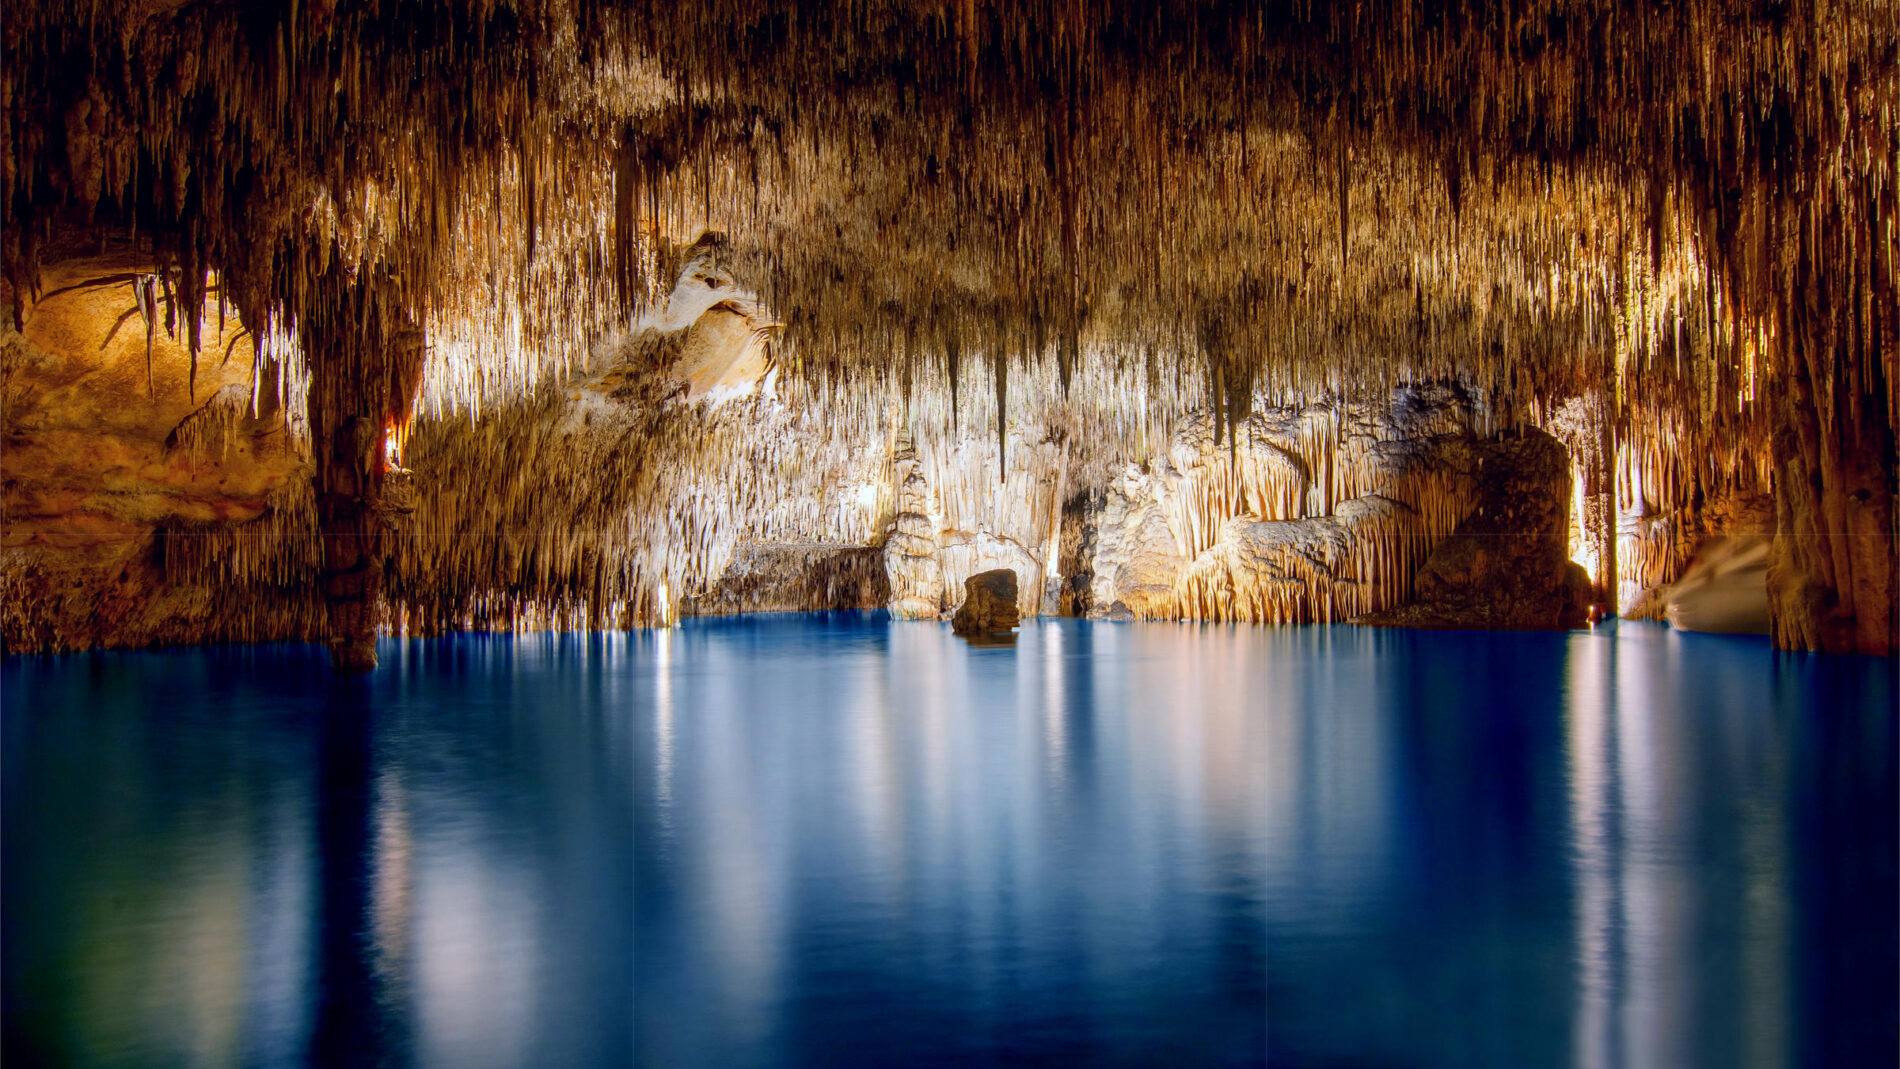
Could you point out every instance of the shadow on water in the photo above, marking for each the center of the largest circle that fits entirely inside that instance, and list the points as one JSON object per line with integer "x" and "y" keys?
{"x": 835, "y": 839}
{"x": 997, "y": 640}
{"x": 361, "y": 989}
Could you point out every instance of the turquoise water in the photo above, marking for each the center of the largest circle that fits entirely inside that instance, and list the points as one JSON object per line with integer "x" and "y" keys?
{"x": 832, "y": 839}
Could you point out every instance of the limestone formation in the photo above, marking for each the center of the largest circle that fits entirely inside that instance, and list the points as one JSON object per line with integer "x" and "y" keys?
{"x": 1507, "y": 564}
{"x": 989, "y": 604}
{"x": 795, "y": 577}
{"x": 759, "y": 245}
{"x": 1316, "y": 512}
{"x": 910, "y": 550}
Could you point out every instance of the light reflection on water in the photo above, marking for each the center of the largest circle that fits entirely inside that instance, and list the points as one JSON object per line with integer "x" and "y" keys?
{"x": 833, "y": 839}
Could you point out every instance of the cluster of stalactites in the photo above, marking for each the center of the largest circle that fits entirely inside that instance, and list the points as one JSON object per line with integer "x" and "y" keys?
{"x": 261, "y": 576}
{"x": 1323, "y": 512}
{"x": 1305, "y": 195}
{"x": 270, "y": 143}
{"x": 1363, "y": 567}
{"x": 603, "y": 500}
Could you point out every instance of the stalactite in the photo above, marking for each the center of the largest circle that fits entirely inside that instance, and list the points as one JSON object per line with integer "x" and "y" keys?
{"x": 1541, "y": 199}
{"x": 999, "y": 370}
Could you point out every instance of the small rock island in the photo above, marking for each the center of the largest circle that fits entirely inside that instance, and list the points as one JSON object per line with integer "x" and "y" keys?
{"x": 989, "y": 604}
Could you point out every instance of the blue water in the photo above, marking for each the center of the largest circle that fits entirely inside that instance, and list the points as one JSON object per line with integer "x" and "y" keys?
{"x": 837, "y": 840}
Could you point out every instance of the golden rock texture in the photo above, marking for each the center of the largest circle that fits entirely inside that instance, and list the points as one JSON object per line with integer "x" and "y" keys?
{"x": 438, "y": 215}
{"x": 116, "y": 491}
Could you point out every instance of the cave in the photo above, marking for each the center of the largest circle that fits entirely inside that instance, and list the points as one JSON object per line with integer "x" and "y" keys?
{"x": 946, "y": 532}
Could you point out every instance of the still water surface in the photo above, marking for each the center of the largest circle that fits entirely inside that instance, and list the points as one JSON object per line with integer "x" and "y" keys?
{"x": 836, "y": 840}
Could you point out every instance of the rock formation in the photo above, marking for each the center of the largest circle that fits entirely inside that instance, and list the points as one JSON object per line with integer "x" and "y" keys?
{"x": 1507, "y": 564}
{"x": 625, "y": 287}
{"x": 797, "y": 577}
{"x": 124, "y": 476}
{"x": 989, "y": 604}
{"x": 1314, "y": 513}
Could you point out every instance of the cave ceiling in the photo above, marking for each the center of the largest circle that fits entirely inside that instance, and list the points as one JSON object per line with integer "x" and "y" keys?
{"x": 1310, "y": 196}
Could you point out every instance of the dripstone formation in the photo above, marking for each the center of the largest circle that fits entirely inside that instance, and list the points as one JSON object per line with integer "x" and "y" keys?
{"x": 396, "y": 318}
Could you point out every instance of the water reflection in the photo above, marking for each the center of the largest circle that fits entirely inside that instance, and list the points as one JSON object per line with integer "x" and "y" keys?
{"x": 842, "y": 840}
{"x": 1687, "y": 757}
{"x": 941, "y": 852}
{"x": 229, "y": 858}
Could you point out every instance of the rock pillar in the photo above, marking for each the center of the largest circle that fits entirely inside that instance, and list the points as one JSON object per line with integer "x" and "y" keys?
{"x": 1832, "y": 574}
{"x": 365, "y": 350}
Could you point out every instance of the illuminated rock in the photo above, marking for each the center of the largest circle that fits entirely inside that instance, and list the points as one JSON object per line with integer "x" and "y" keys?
{"x": 1032, "y": 245}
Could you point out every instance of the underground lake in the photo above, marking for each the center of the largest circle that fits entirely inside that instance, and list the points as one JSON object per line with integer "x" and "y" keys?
{"x": 840, "y": 839}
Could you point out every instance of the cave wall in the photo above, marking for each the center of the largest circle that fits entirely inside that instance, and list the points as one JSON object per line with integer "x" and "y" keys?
{"x": 795, "y": 577}
{"x": 1683, "y": 212}
{"x": 628, "y": 495}
{"x": 1644, "y": 501}
{"x": 957, "y": 516}
{"x": 1328, "y": 512}
{"x": 132, "y": 474}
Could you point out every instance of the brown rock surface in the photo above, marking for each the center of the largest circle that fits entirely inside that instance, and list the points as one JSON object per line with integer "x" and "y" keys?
{"x": 989, "y": 604}
{"x": 119, "y": 498}
{"x": 1506, "y": 565}
{"x": 1315, "y": 512}
{"x": 795, "y": 577}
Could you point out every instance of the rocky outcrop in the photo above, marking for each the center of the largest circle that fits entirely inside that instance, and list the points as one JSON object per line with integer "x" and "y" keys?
{"x": 989, "y": 604}
{"x": 1311, "y": 513}
{"x": 795, "y": 577}
{"x": 910, "y": 550}
{"x": 1506, "y": 566}
{"x": 955, "y": 519}
{"x": 1317, "y": 569}
{"x": 1324, "y": 513}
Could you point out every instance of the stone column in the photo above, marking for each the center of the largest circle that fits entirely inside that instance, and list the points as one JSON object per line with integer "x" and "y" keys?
{"x": 349, "y": 515}
{"x": 365, "y": 350}
{"x": 1832, "y": 575}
